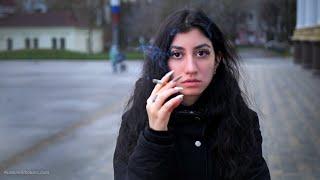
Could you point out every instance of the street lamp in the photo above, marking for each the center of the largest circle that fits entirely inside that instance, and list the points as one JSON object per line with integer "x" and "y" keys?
{"x": 115, "y": 18}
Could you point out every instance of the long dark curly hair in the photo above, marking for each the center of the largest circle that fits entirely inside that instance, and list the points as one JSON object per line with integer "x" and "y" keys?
{"x": 225, "y": 100}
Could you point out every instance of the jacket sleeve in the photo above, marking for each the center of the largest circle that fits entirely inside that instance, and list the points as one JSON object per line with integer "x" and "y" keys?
{"x": 150, "y": 159}
{"x": 258, "y": 169}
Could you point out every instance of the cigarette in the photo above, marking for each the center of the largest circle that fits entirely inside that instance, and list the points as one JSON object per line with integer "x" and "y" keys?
{"x": 157, "y": 81}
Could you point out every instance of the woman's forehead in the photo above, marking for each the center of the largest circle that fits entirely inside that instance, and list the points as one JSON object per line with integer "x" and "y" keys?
{"x": 191, "y": 39}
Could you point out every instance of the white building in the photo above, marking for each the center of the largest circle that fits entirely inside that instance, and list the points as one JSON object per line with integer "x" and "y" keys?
{"x": 306, "y": 37}
{"x": 50, "y": 30}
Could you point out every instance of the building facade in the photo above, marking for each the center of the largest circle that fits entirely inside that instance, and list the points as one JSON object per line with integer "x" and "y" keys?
{"x": 49, "y": 30}
{"x": 306, "y": 37}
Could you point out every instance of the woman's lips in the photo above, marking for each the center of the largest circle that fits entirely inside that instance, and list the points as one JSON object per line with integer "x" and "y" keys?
{"x": 191, "y": 82}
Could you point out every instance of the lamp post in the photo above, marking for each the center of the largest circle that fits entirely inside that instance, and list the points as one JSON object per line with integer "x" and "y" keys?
{"x": 115, "y": 18}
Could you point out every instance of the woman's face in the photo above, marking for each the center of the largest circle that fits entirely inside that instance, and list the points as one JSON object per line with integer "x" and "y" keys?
{"x": 193, "y": 57}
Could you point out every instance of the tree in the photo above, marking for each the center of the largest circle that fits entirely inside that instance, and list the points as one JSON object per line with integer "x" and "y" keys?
{"x": 143, "y": 17}
{"x": 278, "y": 17}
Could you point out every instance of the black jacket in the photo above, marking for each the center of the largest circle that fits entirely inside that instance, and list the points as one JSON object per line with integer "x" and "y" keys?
{"x": 181, "y": 153}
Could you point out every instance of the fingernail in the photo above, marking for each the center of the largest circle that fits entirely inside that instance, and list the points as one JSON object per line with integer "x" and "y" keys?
{"x": 178, "y": 88}
{"x": 156, "y": 81}
{"x": 177, "y": 78}
{"x": 180, "y": 96}
{"x": 169, "y": 73}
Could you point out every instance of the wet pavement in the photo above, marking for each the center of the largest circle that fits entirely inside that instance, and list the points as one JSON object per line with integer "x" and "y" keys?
{"x": 59, "y": 119}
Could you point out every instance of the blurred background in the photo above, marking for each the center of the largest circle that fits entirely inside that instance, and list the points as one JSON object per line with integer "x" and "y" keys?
{"x": 54, "y": 24}
{"x": 68, "y": 67}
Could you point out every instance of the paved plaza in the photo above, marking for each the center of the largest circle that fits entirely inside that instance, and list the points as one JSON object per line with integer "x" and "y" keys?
{"x": 59, "y": 119}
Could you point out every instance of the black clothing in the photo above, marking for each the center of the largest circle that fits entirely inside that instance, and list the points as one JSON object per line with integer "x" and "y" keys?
{"x": 182, "y": 152}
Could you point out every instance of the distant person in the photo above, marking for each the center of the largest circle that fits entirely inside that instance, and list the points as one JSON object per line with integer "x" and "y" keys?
{"x": 117, "y": 59}
{"x": 113, "y": 52}
{"x": 121, "y": 57}
{"x": 187, "y": 118}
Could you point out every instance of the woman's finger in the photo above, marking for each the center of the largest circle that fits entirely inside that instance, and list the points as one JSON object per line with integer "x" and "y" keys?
{"x": 168, "y": 85}
{"x": 169, "y": 106}
{"x": 164, "y": 81}
{"x": 159, "y": 99}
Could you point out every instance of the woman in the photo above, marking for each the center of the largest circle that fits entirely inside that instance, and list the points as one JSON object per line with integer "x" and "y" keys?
{"x": 194, "y": 123}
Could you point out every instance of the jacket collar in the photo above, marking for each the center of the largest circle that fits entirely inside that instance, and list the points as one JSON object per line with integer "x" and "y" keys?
{"x": 189, "y": 114}
{"x": 196, "y": 113}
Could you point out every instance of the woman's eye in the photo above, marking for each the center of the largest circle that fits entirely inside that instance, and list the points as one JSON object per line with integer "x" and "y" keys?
{"x": 176, "y": 55}
{"x": 203, "y": 53}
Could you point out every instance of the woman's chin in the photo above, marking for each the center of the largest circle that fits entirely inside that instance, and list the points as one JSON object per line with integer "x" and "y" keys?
{"x": 191, "y": 92}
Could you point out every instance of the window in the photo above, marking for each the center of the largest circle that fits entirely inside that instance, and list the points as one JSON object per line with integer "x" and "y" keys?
{"x": 62, "y": 43}
{"x": 27, "y": 43}
{"x": 54, "y": 43}
{"x": 9, "y": 44}
{"x": 88, "y": 44}
{"x": 35, "y": 43}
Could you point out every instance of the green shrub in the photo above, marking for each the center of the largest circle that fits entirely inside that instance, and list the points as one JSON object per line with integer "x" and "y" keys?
{"x": 44, "y": 54}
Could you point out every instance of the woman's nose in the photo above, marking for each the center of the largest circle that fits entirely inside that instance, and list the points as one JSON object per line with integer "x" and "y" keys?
{"x": 190, "y": 66}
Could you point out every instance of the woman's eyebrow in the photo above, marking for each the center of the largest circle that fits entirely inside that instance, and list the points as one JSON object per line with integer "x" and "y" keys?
{"x": 176, "y": 47}
{"x": 197, "y": 47}
{"x": 202, "y": 45}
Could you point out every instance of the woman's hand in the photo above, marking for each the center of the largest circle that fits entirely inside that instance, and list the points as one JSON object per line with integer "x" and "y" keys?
{"x": 158, "y": 109}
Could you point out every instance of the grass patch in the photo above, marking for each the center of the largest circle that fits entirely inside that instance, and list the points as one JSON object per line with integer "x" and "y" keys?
{"x": 134, "y": 55}
{"x": 44, "y": 54}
